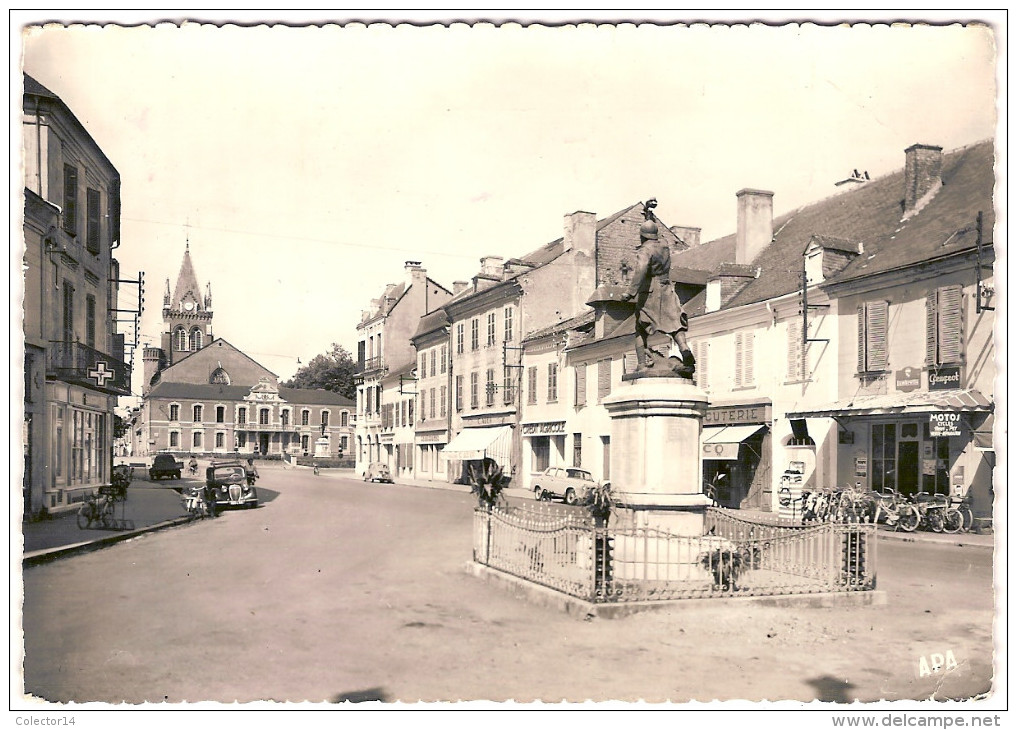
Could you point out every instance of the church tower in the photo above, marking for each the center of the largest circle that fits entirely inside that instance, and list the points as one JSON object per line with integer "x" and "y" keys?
{"x": 186, "y": 315}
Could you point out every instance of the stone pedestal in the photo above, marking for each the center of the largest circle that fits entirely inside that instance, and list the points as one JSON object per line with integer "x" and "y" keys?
{"x": 656, "y": 469}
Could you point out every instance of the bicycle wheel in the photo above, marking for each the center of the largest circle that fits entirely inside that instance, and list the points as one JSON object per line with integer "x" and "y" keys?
{"x": 84, "y": 516}
{"x": 953, "y": 521}
{"x": 934, "y": 520}
{"x": 107, "y": 517}
{"x": 908, "y": 517}
{"x": 967, "y": 517}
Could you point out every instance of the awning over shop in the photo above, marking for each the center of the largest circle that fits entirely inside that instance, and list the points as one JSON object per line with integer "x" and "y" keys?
{"x": 891, "y": 404}
{"x": 494, "y": 442}
{"x": 982, "y": 437}
{"x": 722, "y": 442}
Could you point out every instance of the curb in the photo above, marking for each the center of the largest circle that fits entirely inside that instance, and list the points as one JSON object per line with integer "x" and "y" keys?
{"x": 38, "y": 557}
{"x": 953, "y": 542}
{"x": 580, "y": 608}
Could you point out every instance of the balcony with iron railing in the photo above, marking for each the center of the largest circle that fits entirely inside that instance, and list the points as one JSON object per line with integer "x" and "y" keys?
{"x": 369, "y": 365}
{"x": 74, "y": 362}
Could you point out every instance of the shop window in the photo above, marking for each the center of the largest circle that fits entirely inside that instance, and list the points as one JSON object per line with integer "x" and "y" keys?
{"x": 580, "y": 395}
{"x": 944, "y": 332}
{"x": 541, "y": 453}
{"x": 884, "y": 457}
{"x": 872, "y": 331}
{"x": 241, "y": 439}
{"x": 935, "y": 463}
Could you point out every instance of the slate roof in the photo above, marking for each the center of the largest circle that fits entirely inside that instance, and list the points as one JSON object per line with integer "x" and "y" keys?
{"x": 586, "y": 318}
{"x": 431, "y": 322}
{"x": 210, "y": 392}
{"x": 871, "y": 215}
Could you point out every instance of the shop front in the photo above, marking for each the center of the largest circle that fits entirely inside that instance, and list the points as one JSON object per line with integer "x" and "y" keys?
{"x": 736, "y": 455}
{"x": 482, "y": 441}
{"x": 543, "y": 446}
{"x": 938, "y": 442}
{"x": 431, "y": 459}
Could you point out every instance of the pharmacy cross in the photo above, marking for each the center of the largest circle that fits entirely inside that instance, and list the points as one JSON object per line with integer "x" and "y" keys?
{"x": 100, "y": 374}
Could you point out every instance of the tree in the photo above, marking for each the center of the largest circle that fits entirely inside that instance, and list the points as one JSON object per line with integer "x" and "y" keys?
{"x": 332, "y": 371}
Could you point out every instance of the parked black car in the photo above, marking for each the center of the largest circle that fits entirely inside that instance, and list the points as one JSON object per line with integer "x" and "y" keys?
{"x": 165, "y": 465}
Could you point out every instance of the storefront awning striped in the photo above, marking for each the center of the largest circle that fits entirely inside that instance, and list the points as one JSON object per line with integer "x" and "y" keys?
{"x": 722, "y": 442}
{"x": 892, "y": 404}
{"x": 492, "y": 442}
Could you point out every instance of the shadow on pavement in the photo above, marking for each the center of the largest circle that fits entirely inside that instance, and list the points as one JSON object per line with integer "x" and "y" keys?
{"x": 831, "y": 689}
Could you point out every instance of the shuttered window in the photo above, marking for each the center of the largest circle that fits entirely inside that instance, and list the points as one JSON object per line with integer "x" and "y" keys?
{"x": 474, "y": 333}
{"x": 92, "y": 201}
{"x": 508, "y": 392}
{"x": 552, "y": 382}
{"x": 444, "y": 357}
{"x": 702, "y": 352}
{"x": 441, "y": 401}
{"x": 489, "y": 390}
{"x": 580, "y": 385}
{"x": 490, "y": 328}
{"x": 70, "y": 199}
{"x": 433, "y": 412}
{"x": 508, "y": 324}
{"x": 531, "y": 386}
{"x": 474, "y": 389}
{"x": 90, "y": 320}
{"x": 744, "y": 365}
{"x": 603, "y": 379}
{"x": 460, "y": 338}
{"x": 872, "y": 328}
{"x": 944, "y": 331}
{"x": 459, "y": 392}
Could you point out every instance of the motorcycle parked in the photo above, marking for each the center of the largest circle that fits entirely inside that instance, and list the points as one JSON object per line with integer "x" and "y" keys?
{"x": 199, "y": 502}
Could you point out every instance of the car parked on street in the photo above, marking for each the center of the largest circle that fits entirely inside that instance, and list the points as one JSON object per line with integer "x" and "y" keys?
{"x": 378, "y": 472}
{"x": 165, "y": 465}
{"x": 566, "y": 483}
{"x": 227, "y": 482}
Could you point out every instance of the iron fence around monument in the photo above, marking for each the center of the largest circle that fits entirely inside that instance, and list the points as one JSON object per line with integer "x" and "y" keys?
{"x": 624, "y": 563}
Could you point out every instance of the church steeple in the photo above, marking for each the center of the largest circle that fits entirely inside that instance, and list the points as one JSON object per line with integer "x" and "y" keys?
{"x": 187, "y": 315}
{"x": 187, "y": 290}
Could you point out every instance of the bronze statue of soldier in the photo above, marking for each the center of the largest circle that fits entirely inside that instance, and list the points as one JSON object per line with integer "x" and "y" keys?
{"x": 658, "y": 308}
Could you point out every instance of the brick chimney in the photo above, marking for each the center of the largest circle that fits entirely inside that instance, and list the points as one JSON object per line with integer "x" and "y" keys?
{"x": 755, "y": 224}
{"x": 580, "y": 232}
{"x": 923, "y": 164}
{"x": 491, "y": 266}
{"x": 415, "y": 274}
{"x": 687, "y": 235}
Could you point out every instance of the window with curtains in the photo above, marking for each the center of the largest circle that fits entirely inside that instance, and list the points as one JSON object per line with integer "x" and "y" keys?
{"x": 944, "y": 330}
{"x": 745, "y": 375}
{"x": 873, "y": 318}
{"x": 580, "y": 394}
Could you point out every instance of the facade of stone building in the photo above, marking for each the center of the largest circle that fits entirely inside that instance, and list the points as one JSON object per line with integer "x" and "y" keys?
{"x": 74, "y": 357}
{"x": 205, "y": 397}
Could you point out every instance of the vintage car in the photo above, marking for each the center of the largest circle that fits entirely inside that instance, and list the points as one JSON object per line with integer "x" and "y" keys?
{"x": 378, "y": 472}
{"x": 561, "y": 482}
{"x": 165, "y": 465}
{"x": 228, "y": 482}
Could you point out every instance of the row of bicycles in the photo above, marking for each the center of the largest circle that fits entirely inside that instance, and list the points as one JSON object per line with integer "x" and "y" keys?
{"x": 924, "y": 510}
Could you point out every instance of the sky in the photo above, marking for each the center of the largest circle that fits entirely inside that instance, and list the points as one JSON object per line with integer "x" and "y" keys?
{"x": 305, "y": 165}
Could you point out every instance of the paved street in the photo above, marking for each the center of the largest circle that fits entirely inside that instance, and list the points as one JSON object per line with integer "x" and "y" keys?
{"x": 337, "y": 589}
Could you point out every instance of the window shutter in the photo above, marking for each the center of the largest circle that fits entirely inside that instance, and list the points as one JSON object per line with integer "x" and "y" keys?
{"x": 702, "y": 365}
{"x": 631, "y": 363}
{"x": 931, "y": 320}
{"x": 603, "y": 379}
{"x": 738, "y": 359}
{"x": 794, "y": 350}
{"x": 875, "y": 335}
{"x": 748, "y": 372}
{"x": 861, "y": 338}
{"x": 950, "y": 325}
{"x": 70, "y": 199}
{"x": 580, "y": 385}
{"x": 92, "y": 201}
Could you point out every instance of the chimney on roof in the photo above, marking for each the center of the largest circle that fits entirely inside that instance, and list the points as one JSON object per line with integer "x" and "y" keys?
{"x": 687, "y": 235}
{"x": 415, "y": 274}
{"x": 491, "y": 266}
{"x": 580, "y": 232}
{"x": 458, "y": 287}
{"x": 923, "y": 164}
{"x": 755, "y": 224}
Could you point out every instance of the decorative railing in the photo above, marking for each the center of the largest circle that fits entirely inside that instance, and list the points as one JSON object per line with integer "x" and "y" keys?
{"x": 74, "y": 362}
{"x": 615, "y": 564}
{"x": 369, "y": 365}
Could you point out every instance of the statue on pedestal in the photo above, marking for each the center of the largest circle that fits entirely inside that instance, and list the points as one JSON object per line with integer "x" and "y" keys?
{"x": 658, "y": 308}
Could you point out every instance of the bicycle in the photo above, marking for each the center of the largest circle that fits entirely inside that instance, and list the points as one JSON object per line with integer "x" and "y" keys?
{"x": 96, "y": 509}
{"x": 937, "y": 514}
{"x": 963, "y": 507}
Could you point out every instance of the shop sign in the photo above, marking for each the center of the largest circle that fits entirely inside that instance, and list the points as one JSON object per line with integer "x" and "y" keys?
{"x": 944, "y": 424}
{"x": 908, "y": 379}
{"x": 531, "y": 429}
{"x": 944, "y": 378}
{"x": 473, "y": 421}
{"x": 720, "y": 450}
{"x": 438, "y": 437}
{"x": 861, "y": 466}
{"x": 726, "y": 416}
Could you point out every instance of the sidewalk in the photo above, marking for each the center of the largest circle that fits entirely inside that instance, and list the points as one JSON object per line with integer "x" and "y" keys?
{"x": 149, "y": 506}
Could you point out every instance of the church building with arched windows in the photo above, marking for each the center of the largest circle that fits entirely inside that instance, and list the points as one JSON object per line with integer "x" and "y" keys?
{"x": 203, "y": 396}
